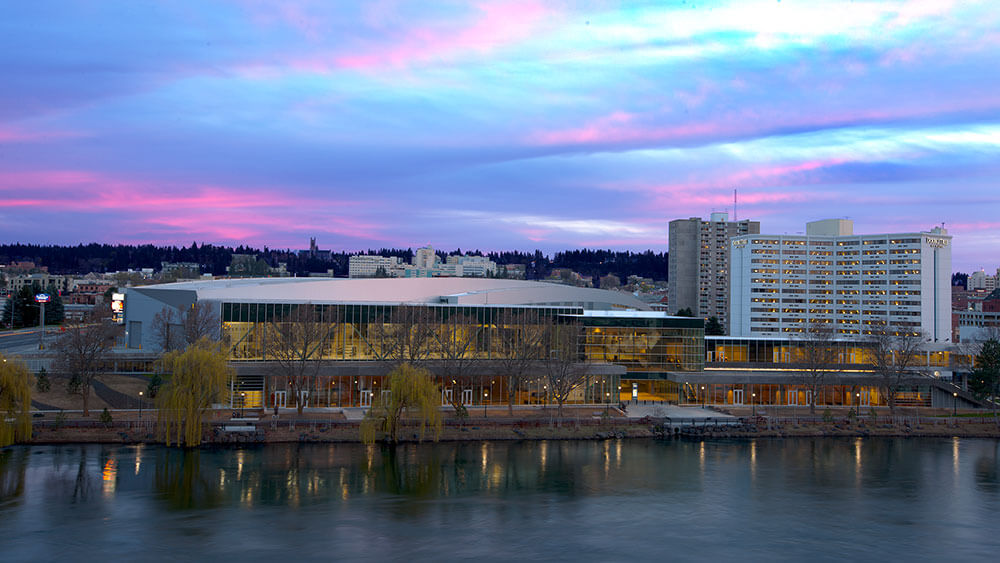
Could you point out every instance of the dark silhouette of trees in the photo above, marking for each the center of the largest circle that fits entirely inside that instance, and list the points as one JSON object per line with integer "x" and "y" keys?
{"x": 212, "y": 259}
{"x": 713, "y": 327}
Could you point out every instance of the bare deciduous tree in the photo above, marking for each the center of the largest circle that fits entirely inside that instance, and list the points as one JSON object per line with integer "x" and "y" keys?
{"x": 84, "y": 350}
{"x": 297, "y": 343}
{"x": 405, "y": 336}
{"x": 520, "y": 339}
{"x": 563, "y": 367}
{"x": 174, "y": 329}
{"x": 818, "y": 352}
{"x": 167, "y": 329}
{"x": 200, "y": 321}
{"x": 454, "y": 345}
{"x": 893, "y": 356}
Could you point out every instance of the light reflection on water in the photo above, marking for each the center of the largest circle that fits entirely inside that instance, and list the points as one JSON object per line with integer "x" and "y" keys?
{"x": 762, "y": 499}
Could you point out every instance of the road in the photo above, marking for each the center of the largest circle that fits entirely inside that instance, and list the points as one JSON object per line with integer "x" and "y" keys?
{"x": 25, "y": 341}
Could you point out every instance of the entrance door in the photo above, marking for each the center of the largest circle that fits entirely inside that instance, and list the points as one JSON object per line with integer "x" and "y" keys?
{"x": 793, "y": 397}
{"x": 446, "y": 396}
{"x": 280, "y": 399}
{"x": 738, "y": 396}
{"x": 304, "y": 398}
{"x": 809, "y": 397}
{"x": 466, "y": 397}
{"x": 866, "y": 397}
{"x": 366, "y": 397}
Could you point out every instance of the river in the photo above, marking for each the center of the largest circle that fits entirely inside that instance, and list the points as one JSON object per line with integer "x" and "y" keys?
{"x": 760, "y": 500}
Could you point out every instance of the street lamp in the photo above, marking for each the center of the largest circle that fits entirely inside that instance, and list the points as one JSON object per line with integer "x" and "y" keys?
{"x": 486, "y": 397}
{"x": 703, "y": 398}
{"x": 140, "y": 405}
{"x": 753, "y": 403}
{"x": 243, "y": 402}
{"x": 954, "y": 404}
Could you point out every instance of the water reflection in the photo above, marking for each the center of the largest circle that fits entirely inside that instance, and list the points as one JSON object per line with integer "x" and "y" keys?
{"x": 988, "y": 471}
{"x": 849, "y": 496}
{"x": 13, "y": 464}
{"x": 183, "y": 484}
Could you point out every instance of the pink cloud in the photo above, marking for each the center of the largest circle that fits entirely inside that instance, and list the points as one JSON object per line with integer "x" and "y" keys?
{"x": 493, "y": 26}
{"x": 208, "y": 212}
{"x": 496, "y": 26}
{"x": 620, "y": 127}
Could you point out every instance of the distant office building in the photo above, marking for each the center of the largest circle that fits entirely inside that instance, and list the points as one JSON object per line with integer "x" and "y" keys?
{"x": 982, "y": 280}
{"x": 698, "y": 265}
{"x": 426, "y": 264}
{"x": 860, "y": 284}
{"x": 368, "y": 265}
{"x": 43, "y": 280}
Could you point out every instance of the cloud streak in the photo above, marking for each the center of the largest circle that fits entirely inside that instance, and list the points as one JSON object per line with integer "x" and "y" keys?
{"x": 496, "y": 124}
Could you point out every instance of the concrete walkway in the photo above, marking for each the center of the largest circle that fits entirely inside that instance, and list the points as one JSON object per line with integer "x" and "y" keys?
{"x": 674, "y": 412}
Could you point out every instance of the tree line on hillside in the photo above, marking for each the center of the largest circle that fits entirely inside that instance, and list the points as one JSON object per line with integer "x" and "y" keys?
{"x": 213, "y": 259}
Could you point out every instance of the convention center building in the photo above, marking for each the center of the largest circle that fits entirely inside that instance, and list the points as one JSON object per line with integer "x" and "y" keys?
{"x": 470, "y": 332}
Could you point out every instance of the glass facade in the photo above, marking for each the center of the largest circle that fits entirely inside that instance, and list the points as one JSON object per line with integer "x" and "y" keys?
{"x": 762, "y": 353}
{"x": 648, "y": 347}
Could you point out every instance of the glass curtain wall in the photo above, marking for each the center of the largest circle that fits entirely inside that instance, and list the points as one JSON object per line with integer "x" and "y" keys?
{"x": 467, "y": 348}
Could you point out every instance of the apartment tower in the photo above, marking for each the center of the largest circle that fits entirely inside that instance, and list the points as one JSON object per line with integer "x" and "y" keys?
{"x": 698, "y": 270}
{"x": 858, "y": 284}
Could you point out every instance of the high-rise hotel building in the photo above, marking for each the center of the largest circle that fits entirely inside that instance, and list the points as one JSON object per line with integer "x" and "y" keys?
{"x": 698, "y": 264}
{"x": 860, "y": 284}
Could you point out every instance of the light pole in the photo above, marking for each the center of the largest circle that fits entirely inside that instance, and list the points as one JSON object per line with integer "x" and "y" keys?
{"x": 954, "y": 404}
{"x": 140, "y": 405}
{"x": 753, "y": 403}
{"x": 41, "y": 299}
{"x": 486, "y": 397}
{"x": 243, "y": 402}
{"x": 703, "y": 398}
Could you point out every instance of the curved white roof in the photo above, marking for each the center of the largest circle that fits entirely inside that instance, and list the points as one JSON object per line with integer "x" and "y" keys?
{"x": 460, "y": 291}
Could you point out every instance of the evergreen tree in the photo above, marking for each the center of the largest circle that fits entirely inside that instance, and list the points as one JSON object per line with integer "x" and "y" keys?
{"x": 713, "y": 327}
{"x": 55, "y": 312}
{"x": 984, "y": 382}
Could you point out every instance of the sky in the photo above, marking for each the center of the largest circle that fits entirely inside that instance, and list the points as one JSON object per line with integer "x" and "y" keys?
{"x": 495, "y": 125}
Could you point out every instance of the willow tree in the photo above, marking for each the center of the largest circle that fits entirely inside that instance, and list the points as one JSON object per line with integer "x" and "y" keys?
{"x": 15, "y": 401}
{"x": 409, "y": 392}
{"x": 197, "y": 377}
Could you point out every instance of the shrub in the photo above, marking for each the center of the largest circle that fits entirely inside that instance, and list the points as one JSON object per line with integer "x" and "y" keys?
{"x": 106, "y": 417}
{"x": 42, "y": 383}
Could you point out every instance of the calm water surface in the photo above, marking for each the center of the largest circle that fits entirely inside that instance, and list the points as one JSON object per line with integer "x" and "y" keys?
{"x": 828, "y": 499}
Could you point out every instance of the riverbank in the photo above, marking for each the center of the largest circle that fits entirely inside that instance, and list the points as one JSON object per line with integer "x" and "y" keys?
{"x": 292, "y": 431}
